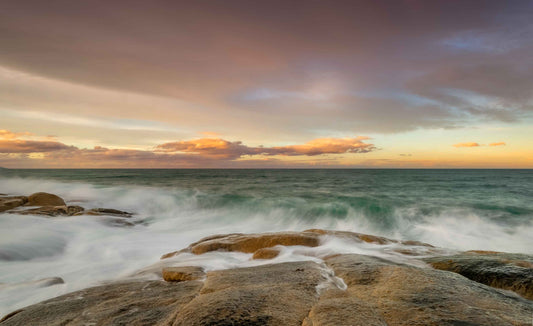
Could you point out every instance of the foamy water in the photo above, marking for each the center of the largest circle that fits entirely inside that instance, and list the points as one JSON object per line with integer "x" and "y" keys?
{"x": 172, "y": 213}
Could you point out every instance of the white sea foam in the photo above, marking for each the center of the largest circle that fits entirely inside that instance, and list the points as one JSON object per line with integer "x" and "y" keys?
{"x": 84, "y": 251}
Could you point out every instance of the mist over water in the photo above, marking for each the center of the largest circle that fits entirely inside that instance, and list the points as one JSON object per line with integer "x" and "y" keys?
{"x": 456, "y": 209}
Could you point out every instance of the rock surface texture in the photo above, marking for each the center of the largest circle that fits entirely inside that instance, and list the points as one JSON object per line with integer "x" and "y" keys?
{"x": 341, "y": 289}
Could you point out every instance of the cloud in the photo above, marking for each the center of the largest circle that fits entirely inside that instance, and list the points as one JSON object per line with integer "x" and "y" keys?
{"x": 31, "y": 146}
{"x": 226, "y": 66}
{"x": 223, "y": 149}
{"x": 472, "y": 144}
{"x": 6, "y": 134}
{"x": 205, "y": 152}
{"x": 467, "y": 145}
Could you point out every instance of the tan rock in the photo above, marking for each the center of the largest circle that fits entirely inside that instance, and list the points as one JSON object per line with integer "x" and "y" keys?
{"x": 45, "y": 199}
{"x": 266, "y": 253}
{"x": 278, "y": 294}
{"x": 250, "y": 243}
{"x": 130, "y": 303}
{"x": 383, "y": 293}
{"x": 180, "y": 274}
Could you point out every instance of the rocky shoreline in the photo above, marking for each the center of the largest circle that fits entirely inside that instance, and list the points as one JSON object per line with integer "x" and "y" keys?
{"x": 430, "y": 286}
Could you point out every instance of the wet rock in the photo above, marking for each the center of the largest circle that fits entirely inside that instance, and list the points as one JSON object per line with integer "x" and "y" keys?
{"x": 180, "y": 274}
{"x": 131, "y": 303}
{"x": 501, "y": 270}
{"x": 250, "y": 243}
{"x": 266, "y": 253}
{"x": 366, "y": 237}
{"x": 50, "y": 211}
{"x": 10, "y": 202}
{"x": 116, "y": 222}
{"x": 45, "y": 199}
{"x": 106, "y": 212}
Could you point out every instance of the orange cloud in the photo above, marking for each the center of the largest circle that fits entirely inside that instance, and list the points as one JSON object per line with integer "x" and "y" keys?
{"x": 220, "y": 148}
{"x": 30, "y": 146}
{"x": 467, "y": 145}
{"x": 498, "y": 144}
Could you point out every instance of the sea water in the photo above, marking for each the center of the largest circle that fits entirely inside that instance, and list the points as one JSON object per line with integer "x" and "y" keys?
{"x": 454, "y": 209}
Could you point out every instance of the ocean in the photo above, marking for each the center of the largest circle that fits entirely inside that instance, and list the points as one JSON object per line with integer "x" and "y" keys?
{"x": 454, "y": 209}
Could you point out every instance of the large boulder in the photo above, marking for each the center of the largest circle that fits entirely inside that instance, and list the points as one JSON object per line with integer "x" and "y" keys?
{"x": 45, "y": 199}
{"x": 10, "y": 202}
{"x": 502, "y": 270}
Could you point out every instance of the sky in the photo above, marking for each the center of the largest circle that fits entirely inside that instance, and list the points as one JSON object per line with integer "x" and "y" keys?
{"x": 266, "y": 84}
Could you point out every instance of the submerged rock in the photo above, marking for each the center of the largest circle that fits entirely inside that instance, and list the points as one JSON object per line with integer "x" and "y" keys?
{"x": 501, "y": 270}
{"x": 10, "y": 202}
{"x": 45, "y": 199}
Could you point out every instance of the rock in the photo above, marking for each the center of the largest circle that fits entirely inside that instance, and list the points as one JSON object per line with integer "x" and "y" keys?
{"x": 383, "y": 293}
{"x": 501, "y": 270}
{"x": 45, "y": 199}
{"x": 131, "y": 303}
{"x": 279, "y": 294}
{"x": 250, "y": 243}
{"x": 10, "y": 202}
{"x": 105, "y": 212}
{"x": 180, "y": 274}
{"x": 116, "y": 222}
{"x": 266, "y": 253}
{"x": 50, "y": 211}
{"x": 367, "y": 237}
